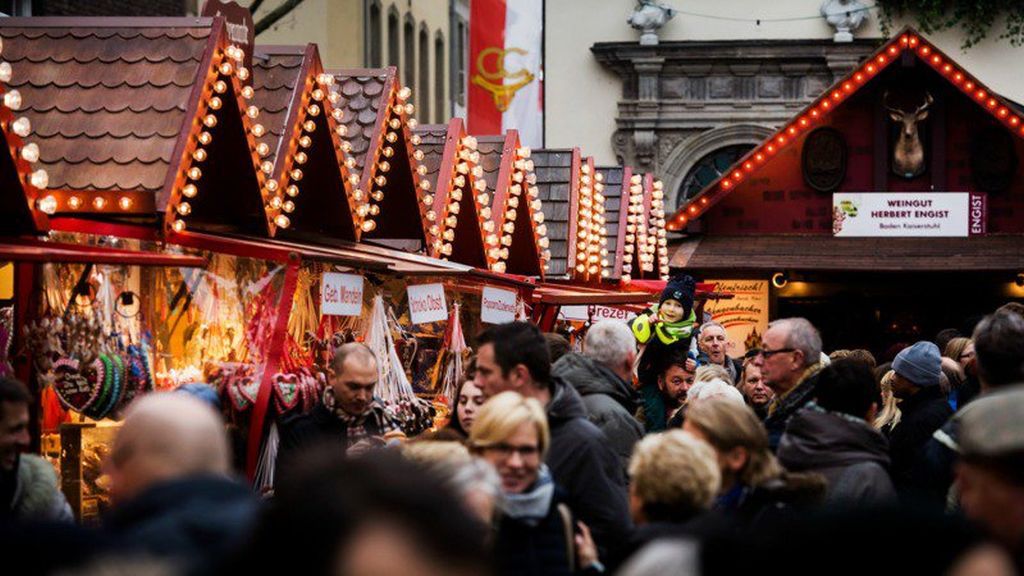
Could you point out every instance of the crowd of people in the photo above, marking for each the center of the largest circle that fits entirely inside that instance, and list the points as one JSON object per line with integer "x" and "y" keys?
{"x": 648, "y": 451}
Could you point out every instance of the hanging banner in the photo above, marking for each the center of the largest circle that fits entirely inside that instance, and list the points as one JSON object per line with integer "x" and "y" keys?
{"x": 908, "y": 214}
{"x": 595, "y": 313}
{"x": 745, "y": 316}
{"x": 497, "y": 306}
{"x": 505, "y": 76}
{"x": 341, "y": 294}
{"x": 427, "y": 303}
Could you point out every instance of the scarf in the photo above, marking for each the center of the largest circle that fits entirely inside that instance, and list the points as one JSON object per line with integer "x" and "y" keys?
{"x": 357, "y": 427}
{"x": 667, "y": 332}
{"x": 795, "y": 395}
{"x": 532, "y": 506}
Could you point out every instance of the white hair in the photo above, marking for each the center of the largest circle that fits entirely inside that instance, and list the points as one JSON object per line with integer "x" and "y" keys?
{"x": 666, "y": 556}
{"x": 714, "y": 388}
{"x": 609, "y": 342}
{"x": 801, "y": 335}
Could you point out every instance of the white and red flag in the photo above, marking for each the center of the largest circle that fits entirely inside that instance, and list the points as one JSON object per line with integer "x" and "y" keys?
{"x": 505, "y": 75}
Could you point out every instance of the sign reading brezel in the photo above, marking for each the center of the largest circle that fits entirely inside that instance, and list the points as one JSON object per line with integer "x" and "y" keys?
{"x": 341, "y": 294}
{"x": 952, "y": 214}
{"x": 497, "y": 306}
{"x": 427, "y": 304}
{"x": 595, "y": 313}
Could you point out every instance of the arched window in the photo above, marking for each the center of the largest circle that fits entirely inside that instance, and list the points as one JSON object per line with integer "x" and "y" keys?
{"x": 375, "y": 32}
{"x": 423, "y": 88}
{"x": 409, "y": 45}
{"x": 708, "y": 168}
{"x": 393, "y": 53}
{"x": 440, "y": 104}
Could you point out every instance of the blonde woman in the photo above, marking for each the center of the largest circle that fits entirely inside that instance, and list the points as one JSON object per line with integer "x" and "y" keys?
{"x": 754, "y": 484}
{"x": 889, "y": 416}
{"x": 536, "y": 530}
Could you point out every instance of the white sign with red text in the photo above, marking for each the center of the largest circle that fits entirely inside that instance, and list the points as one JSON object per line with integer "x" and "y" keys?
{"x": 341, "y": 294}
{"x": 427, "y": 303}
{"x": 595, "y": 313}
{"x": 497, "y": 306}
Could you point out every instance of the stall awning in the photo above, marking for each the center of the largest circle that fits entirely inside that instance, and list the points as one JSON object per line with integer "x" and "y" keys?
{"x": 566, "y": 295}
{"x": 31, "y": 250}
{"x": 827, "y": 253}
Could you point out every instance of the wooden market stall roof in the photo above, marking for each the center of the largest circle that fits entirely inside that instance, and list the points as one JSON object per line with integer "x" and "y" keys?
{"x": 642, "y": 245}
{"x": 517, "y": 239}
{"x": 33, "y": 250}
{"x": 719, "y": 254}
{"x": 302, "y": 146}
{"x": 450, "y": 159}
{"x": 905, "y": 49}
{"x": 377, "y": 120}
{"x": 613, "y": 177}
{"x": 22, "y": 184}
{"x": 119, "y": 105}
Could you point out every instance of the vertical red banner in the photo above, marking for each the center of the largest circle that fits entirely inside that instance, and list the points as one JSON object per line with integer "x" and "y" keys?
{"x": 486, "y": 53}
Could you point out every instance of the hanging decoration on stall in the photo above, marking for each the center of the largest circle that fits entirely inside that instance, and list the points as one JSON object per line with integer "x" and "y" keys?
{"x": 341, "y": 294}
{"x": 392, "y": 383}
{"x": 497, "y": 306}
{"x": 24, "y": 203}
{"x": 6, "y": 338}
{"x": 823, "y": 159}
{"x": 427, "y": 303}
{"x": 453, "y": 358}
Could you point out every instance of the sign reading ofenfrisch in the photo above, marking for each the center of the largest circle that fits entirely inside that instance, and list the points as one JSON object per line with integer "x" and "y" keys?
{"x": 341, "y": 294}
{"x": 744, "y": 316}
{"x": 427, "y": 303}
{"x": 908, "y": 214}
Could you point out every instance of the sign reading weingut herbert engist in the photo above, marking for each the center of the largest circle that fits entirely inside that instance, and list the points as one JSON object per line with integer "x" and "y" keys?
{"x": 497, "y": 306}
{"x": 908, "y": 214}
{"x": 341, "y": 294}
{"x": 427, "y": 303}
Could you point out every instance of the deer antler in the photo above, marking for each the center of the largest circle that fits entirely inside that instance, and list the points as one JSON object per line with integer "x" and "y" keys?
{"x": 889, "y": 107}
{"x": 927, "y": 103}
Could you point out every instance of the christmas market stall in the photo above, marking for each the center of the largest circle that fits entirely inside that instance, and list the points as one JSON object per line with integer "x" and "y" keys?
{"x": 904, "y": 173}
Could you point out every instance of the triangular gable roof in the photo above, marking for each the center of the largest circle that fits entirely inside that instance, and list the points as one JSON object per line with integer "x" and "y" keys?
{"x": 117, "y": 103}
{"x": 908, "y": 43}
{"x": 557, "y": 173}
{"x": 642, "y": 246}
{"x": 613, "y": 178}
{"x": 378, "y": 135}
{"x": 310, "y": 176}
{"x": 587, "y": 259}
{"x": 22, "y": 206}
{"x": 460, "y": 193}
{"x": 517, "y": 238}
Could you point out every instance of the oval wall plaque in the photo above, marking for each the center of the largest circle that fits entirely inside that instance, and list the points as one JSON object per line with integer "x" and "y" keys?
{"x": 823, "y": 159}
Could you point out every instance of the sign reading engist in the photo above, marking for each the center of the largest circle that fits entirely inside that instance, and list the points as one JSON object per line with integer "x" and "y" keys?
{"x": 950, "y": 214}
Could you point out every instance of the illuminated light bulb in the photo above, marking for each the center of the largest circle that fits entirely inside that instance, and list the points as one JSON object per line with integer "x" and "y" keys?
{"x": 446, "y": 249}
{"x": 485, "y": 212}
{"x": 252, "y": 112}
{"x": 506, "y": 240}
{"x": 499, "y": 267}
{"x": 184, "y": 208}
{"x": 272, "y": 185}
{"x": 523, "y": 152}
{"x": 384, "y": 166}
{"x": 449, "y": 234}
{"x": 543, "y": 242}
{"x": 338, "y": 114}
{"x": 462, "y": 168}
{"x": 421, "y": 170}
{"x": 210, "y": 120}
{"x": 194, "y": 173}
{"x": 305, "y": 141}
{"x": 30, "y": 152}
{"x": 478, "y": 171}
{"x": 415, "y": 139}
{"x": 353, "y": 179}
{"x": 288, "y": 206}
{"x": 12, "y": 100}
{"x": 480, "y": 185}
{"x": 75, "y": 202}
{"x": 513, "y": 201}
{"x": 412, "y": 123}
{"x": 454, "y": 208}
{"x": 391, "y": 137}
{"x": 538, "y": 217}
{"x": 456, "y": 194}
{"x": 99, "y": 202}
{"x": 491, "y": 240}
{"x": 398, "y": 109}
{"x": 325, "y": 78}
{"x": 296, "y": 174}
{"x": 262, "y": 149}
{"x": 317, "y": 94}
{"x": 22, "y": 127}
{"x": 581, "y": 268}
{"x": 248, "y": 92}
{"x": 275, "y": 203}
{"x": 431, "y": 215}
{"x": 388, "y": 151}
{"x": 509, "y": 227}
{"x": 542, "y": 230}
{"x": 363, "y": 210}
{"x": 47, "y": 205}
{"x": 395, "y": 123}
{"x": 531, "y": 178}
{"x": 226, "y": 68}
{"x": 190, "y": 191}
{"x": 282, "y": 221}
{"x": 267, "y": 166}
{"x": 409, "y": 109}
{"x": 5, "y": 72}
{"x": 404, "y": 93}
{"x": 425, "y": 184}
{"x": 581, "y": 245}
{"x": 243, "y": 74}
{"x": 346, "y": 146}
{"x": 199, "y": 155}
{"x": 377, "y": 195}
{"x": 451, "y": 221}
{"x": 301, "y": 158}
{"x": 216, "y": 103}
{"x": 313, "y": 110}
{"x": 220, "y": 86}
{"x": 205, "y": 137}
{"x": 469, "y": 141}
{"x": 517, "y": 176}
{"x": 510, "y": 214}
{"x": 460, "y": 181}
{"x": 178, "y": 226}
{"x": 546, "y": 255}
{"x": 309, "y": 126}
{"x": 489, "y": 226}
{"x": 434, "y": 230}
{"x": 427, "y": 199}
{"x": 483, "y": 198}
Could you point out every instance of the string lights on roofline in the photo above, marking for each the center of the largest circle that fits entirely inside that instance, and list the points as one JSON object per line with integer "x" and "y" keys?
{"x": 522, "y": 194}
{"x": 814, "y": 113}
{"x": 36, "y": 178}
{"x": 636, "y": 228}
{"x": 591, "y": 252}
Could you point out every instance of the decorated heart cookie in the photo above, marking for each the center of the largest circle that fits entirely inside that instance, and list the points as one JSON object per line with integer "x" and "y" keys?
{"x": 75, "y": 389}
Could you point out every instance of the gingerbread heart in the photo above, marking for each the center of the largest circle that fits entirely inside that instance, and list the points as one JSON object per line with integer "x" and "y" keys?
{"x": 286, "y": 391}
{"x": 74, "y": 389}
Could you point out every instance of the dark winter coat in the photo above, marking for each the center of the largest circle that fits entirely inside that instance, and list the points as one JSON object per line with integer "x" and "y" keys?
{"x": 586, "y": 468}
{"x": 923, "y": 414}
{"x": 773, "y": 501}
{"x": 543, "y": 549}
{"x": 801, "y": 395}
{"x": 851, "y": 455}
{"x": 195, "y": 522}
{"x": 610, "y": 401}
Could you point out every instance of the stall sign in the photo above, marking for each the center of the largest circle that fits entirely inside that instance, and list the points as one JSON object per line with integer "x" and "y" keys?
{"x": 744, "y": 316}
{"x": 427, "y": 304}
{"x": 497, "y": 306}
{"x": 341, "y": 294}
{"x": 595, "y": 313}
{"x": 948, "y": 214}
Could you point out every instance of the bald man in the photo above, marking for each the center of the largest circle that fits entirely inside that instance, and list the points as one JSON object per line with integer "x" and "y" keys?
{"x": 350, "y": 416}
{"x": 170, "y": 483}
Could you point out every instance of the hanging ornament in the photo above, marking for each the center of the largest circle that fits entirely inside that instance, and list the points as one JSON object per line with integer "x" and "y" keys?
{"x": 392, "y": 383}
{"x": 455, "y": 352}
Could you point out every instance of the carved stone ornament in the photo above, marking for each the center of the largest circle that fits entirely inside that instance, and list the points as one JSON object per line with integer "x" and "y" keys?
{"x": 845, "y": 16}
{"x": 823, "y": 159}
{"x": 648, "y": 17}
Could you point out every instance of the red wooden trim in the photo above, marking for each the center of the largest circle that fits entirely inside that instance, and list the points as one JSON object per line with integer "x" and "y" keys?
{"x": 627, "y": 174}
{"x": 25, "y": 306}
{"x": 445, "y": 181}
{"x": 574, "y": 210}
{"x": 23, "y": 250}
{"x": 277, "y": 342}
{"x": 288, "y": 142}
{"x": 409, "y": 150}
{"x": 136, "y": 232}
{"x": 233, "y": 246}
{"x": 339, "y": 154}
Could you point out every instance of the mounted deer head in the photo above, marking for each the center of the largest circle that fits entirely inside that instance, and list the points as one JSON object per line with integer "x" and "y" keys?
{"x": 908, "y": 154}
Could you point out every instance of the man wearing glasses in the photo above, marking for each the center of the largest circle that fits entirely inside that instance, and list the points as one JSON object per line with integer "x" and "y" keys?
{"x": 791, "y": 348}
